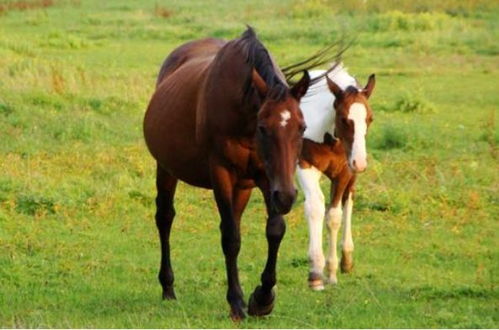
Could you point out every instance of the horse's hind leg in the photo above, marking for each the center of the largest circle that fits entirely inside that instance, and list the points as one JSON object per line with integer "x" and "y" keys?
{"x": 165, "y": 212}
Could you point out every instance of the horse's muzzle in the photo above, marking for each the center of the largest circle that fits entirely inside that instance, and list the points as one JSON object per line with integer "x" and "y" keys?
{"x": 282, "y": 201}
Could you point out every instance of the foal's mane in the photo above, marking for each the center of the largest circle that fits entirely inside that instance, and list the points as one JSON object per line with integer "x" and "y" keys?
{"x": 257, "y": 57}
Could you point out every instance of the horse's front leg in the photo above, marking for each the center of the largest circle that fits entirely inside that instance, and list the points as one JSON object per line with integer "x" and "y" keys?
{"x": 223, "y": 187}
{"x": 262, "y": 299}
{"x": 314, "y": 212}
{"x": 347, "y": 243}
{"x": 333, "y": 222}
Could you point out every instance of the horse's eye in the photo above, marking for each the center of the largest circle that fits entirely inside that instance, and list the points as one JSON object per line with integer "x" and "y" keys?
{"x": 302, "y": 128}
{"x": 344, "y": 121}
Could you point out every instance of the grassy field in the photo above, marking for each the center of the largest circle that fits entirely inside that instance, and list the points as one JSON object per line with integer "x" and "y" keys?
{"x": 78, "y": 243}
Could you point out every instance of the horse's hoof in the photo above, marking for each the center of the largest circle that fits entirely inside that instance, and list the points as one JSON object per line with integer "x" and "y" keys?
{"x": 169, "y": 294}
{"x": 237, "y": 313}
{"x": 346, "y": 263}
{"x": 315, "y": 282}
{"x": 258, "y": 306}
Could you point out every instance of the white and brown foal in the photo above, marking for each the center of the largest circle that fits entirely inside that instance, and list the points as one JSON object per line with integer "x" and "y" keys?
{"x": 337, "y": 116}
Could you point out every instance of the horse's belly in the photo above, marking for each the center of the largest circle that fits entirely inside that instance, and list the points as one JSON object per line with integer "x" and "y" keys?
{"x": 178, "y": 155}
{"x": 190, "y": 170}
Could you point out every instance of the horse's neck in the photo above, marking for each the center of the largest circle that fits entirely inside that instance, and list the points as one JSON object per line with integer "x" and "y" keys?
{"x": 317, "y": 105}
{"x": 222, "y": 110}
{"x": 342, "y": 78}
{"x": 319, "y": 115}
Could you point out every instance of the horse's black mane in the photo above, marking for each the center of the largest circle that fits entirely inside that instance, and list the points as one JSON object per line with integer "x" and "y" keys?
{"x": 258, "y": 57}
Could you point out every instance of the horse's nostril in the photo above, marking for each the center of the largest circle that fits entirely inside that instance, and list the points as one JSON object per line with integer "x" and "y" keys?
{"x": 354, "y": 163}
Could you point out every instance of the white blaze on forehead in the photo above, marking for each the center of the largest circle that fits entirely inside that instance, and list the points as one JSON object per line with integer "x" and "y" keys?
{"x": 358, "y": 114}
{"x": 285, "y": 115}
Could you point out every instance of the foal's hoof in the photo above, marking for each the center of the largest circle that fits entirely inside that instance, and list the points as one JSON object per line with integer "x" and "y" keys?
{"x": 332, "y": 279}
{"x": 169, "y": 294}
{"x": 259, "y": 305}
{"x": 315, "y": 282}
{"x": 346, "y": 263}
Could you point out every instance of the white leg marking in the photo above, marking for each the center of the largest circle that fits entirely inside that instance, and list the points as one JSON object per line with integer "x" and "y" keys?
{"x": 314, "y": 212}
{"x": 347, "y": 244}
{"x": 285, "y": 115}
{"x": 333, "y": 221}
{"x": 357, "y": 113}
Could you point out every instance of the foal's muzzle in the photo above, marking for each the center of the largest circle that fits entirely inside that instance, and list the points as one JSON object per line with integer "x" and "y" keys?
{"x": 282, "y": 201}
{"x": 358, "y": 166}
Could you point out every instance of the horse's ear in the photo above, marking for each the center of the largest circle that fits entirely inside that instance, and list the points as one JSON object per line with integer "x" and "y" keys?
{"x": 335, "y": 89}
{"x": 301, "y": 87}
{"x": 259, "y": 84}
{"x": 370, "y": 86}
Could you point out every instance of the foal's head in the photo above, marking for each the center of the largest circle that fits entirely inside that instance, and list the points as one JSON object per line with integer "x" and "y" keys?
{"x": 279, "y": 136}
{"x": 353, "y": 117}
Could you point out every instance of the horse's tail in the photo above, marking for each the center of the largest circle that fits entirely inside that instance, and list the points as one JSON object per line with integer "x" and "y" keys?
{"x": 329, "y": 54}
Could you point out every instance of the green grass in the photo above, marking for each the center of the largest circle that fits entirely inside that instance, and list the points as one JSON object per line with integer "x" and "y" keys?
{"x": 78, "y": 243}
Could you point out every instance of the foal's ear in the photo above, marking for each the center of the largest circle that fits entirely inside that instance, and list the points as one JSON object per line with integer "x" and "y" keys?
{"x": 335, "y": 89}
{"x": 259, "y": 84}
{"x": 370, "y": 86}
{"x": 301, "y": 87}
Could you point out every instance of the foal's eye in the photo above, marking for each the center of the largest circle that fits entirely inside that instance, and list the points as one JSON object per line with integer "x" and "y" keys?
{"x": 344, "y": 121}
{"x": 302, "y": 128}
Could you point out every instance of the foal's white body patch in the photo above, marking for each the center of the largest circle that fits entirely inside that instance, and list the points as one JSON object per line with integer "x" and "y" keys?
{"x": 317, "y": 104}
{"x": 285, "y": 115}
{"x": 358, "y": 114}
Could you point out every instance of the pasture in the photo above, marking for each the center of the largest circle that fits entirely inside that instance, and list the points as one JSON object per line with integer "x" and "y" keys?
{"x": 78, "y": 241}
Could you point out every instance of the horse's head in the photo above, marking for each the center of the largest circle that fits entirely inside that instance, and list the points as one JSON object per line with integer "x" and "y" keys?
{"x": 353, "y": 117}
{"x": 279, "y": 136}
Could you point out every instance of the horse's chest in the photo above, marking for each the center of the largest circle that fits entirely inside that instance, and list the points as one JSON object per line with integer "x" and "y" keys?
{"x": 326, "y": 158}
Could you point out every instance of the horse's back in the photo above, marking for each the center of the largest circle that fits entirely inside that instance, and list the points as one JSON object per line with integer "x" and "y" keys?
{"x": 170, "y": 120}
{"x": 317, "y": 109}
{"x": 188, "y": 51}
{"x": 317, "y": 104}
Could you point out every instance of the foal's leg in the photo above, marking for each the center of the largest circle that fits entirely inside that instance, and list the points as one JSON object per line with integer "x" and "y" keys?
{"x": 314, "y": 212}
{"x": 333, "y": 223}
{"x": 347, "y": 244}
{"x": 231, "y": 238}
{"x": 165, "y": 184}
{"x": 262, "y": 299}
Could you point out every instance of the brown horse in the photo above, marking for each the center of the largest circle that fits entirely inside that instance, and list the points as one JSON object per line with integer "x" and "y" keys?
{"x": 223, "y": 118}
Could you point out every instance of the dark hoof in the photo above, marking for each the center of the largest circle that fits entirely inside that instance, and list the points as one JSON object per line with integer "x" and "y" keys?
{"x": 315, "y": 282}
{"x": 237, "y": 312}
{"x": 169, "y": 294}
{"x": 346, "y": 263}
{"x": 259, "y": 305}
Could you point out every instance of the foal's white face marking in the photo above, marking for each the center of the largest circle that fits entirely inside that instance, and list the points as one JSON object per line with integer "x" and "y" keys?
{"x": 285, "y": 115}
{"x": 358, "y": 114}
